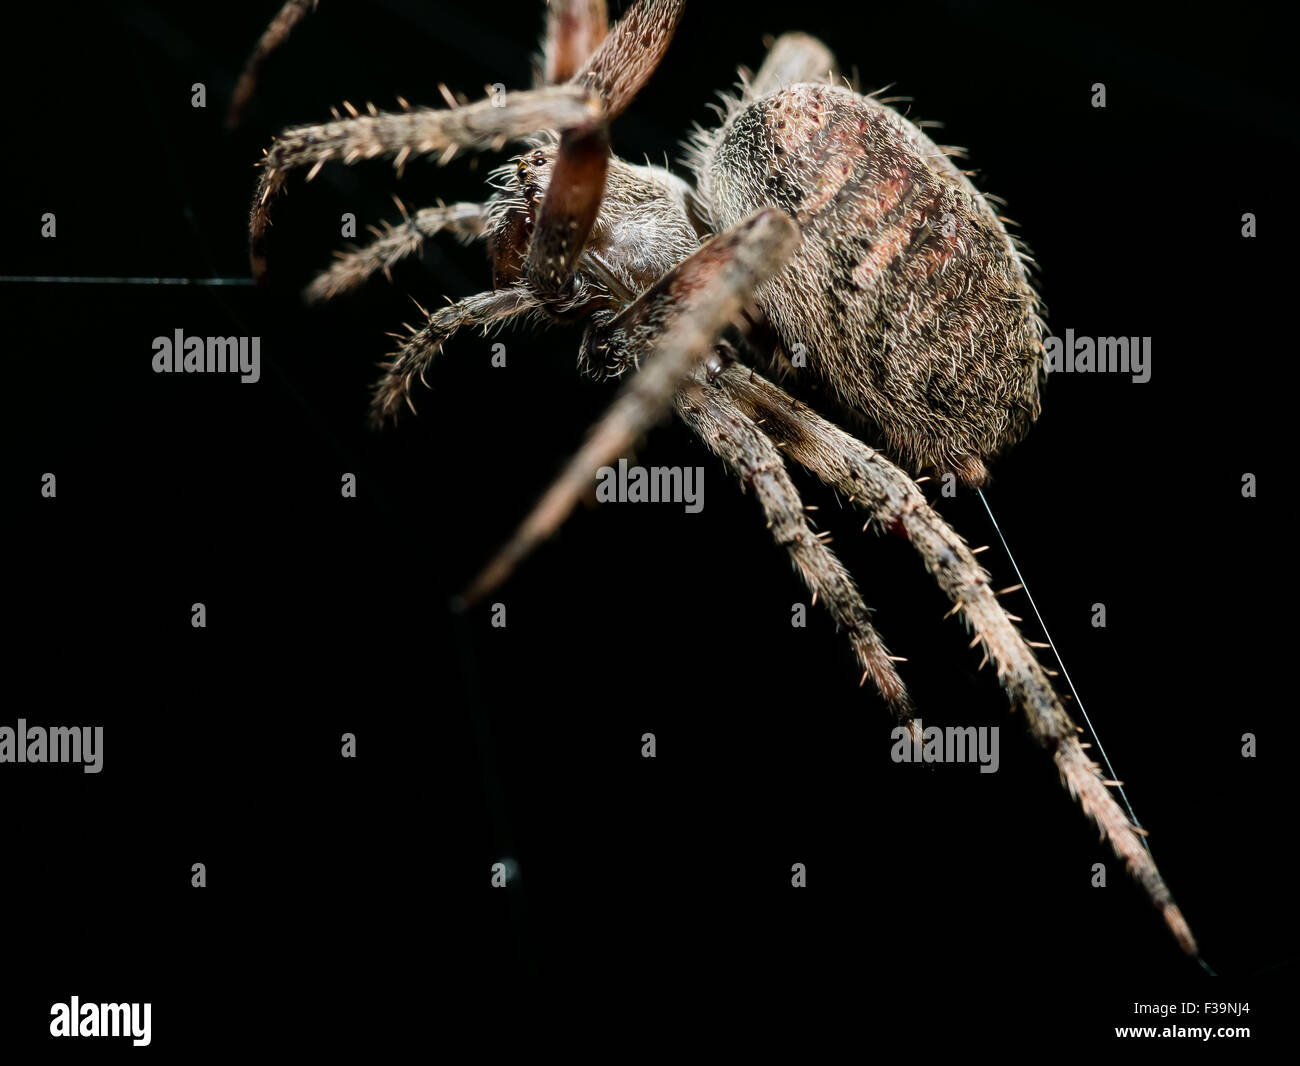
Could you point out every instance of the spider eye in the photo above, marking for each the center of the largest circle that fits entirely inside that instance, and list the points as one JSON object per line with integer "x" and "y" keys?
{"x": 538, "y": 159}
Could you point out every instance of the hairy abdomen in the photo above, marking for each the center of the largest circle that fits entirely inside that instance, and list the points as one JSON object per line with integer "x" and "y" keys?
{"x": 906, "y": 295}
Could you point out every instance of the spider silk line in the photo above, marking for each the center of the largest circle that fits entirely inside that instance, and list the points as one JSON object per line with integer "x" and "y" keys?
{"x": 1065, "y": 673}
{"x": 91, "y": 280}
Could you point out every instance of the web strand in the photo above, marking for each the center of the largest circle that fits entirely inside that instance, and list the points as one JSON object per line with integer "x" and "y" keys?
{"x": 52, "y": 279}
{"x": 1110, "y": 770}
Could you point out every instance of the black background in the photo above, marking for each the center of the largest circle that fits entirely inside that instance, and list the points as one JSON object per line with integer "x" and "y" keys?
{"x": 347, "y": 897}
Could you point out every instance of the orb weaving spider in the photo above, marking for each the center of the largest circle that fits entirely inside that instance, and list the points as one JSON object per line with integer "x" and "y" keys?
{"x": 821, "y": 224}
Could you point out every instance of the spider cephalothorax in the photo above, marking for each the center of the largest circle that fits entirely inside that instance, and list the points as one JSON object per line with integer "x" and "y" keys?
{"x": 640, "y": 233}
{"x": 824, "y": 227}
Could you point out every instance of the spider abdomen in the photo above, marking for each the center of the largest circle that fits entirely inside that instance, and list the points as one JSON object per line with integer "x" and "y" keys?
{"x": 906, "y": 296}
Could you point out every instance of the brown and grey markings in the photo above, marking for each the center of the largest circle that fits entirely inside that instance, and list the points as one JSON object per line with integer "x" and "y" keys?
{"x": 820, "y": 220}
{"x": 906, "y": 290}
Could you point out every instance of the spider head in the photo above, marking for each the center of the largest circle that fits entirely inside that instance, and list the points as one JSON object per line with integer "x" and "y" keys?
{"x": 519, "y": 188}
{"x": 643, "y": 230}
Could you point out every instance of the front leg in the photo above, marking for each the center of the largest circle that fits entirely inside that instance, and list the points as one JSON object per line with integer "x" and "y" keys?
{"x": 293, "y": 12}
{"x": 615, "y": 72}
{"x": 569, "y": 209}
{"x": 667, "y": 331}
{"x": 574, "y": 30}
{"x": 475, "y": 127}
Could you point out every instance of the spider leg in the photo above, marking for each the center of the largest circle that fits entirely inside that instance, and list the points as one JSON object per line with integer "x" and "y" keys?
{"x": 889, "y": 495}
{"x": 293, "y": 12}
{"x": 486, "y": 125}
{"x": 569, "y": 209}
{"x": 615, "y": 73}
{"x": 393, "y": 244}
{"x": 483, "y": 309}
{"x": 731, "y": 435}
{"x": 629, "y": 55}
{"x": 574, "y": 30}
{"x": 674, "y": 325}
{"x": 792, "y": 59}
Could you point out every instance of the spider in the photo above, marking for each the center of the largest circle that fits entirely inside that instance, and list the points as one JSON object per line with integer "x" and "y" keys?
{"x": 824, "y": 234}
